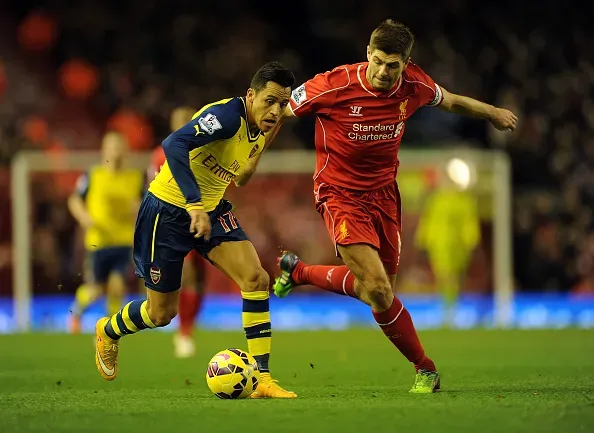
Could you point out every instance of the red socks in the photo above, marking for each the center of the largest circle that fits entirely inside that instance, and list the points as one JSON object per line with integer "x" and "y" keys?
{"x": 395, "y": 322}
{"x": 189, "y": 304}
{"x": 398, "y": 326}
{"x": 336, "y": 279}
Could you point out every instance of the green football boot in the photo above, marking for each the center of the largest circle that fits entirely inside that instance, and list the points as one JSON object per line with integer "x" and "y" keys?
{"x": 284, "y": 284}
{"x": 426, "y": 382}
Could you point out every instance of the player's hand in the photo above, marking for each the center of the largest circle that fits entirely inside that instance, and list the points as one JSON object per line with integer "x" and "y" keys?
{"x": 200, "y": 224}
{"x": 504, "y": 120}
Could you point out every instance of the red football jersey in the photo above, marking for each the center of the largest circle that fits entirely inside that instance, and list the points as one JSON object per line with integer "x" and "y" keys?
{"x": 358, "y": 129}
{"x": 157, "y": 160}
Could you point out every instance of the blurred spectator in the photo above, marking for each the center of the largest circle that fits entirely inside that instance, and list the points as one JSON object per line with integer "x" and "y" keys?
{"x": 37, "y": 31}
{"x": 136, "y": 129}
{"x": 78, "y": 79}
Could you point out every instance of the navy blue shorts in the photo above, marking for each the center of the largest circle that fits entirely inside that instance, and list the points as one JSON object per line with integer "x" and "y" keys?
{"x": 105, "y": 261}
{"x": 162, "y": 240}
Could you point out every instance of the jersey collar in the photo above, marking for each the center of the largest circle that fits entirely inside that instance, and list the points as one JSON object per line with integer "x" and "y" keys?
{"x": 251, "y": 136}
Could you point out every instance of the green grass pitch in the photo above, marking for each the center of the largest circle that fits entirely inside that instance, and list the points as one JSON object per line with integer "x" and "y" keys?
{"x": 353, "y": 381}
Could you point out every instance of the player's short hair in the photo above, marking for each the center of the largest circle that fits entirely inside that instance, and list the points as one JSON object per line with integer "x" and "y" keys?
{"x": 272, "y": 71}
{"x": 392, "y": 37}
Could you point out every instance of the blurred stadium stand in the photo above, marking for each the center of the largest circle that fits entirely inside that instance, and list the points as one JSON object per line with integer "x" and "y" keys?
{"x": 69, "y": 70}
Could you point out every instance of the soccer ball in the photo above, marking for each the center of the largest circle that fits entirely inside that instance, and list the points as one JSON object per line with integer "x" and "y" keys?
{"x": 232, "y": 373}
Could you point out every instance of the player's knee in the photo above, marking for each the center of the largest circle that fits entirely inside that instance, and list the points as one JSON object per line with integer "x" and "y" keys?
{"x": 379, "y": 292}
{"x": 256, "y": 281}
{"x": 162, "y": 315}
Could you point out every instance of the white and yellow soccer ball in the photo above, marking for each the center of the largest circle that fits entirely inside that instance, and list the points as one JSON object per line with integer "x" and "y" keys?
{"x": 232, "y": 373}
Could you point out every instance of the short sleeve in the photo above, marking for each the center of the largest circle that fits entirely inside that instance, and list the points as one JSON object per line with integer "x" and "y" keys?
{"x": 318, "y": 94}
{"x": 430, "y": 92}
{"x": 82, "y": 185}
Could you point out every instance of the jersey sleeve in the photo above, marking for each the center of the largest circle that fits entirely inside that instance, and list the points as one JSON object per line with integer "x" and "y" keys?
{"x": 217, "y": 122}
{"x": 318, "y": 94}
{"x": 82, "y": 185}
{"x": 430, "y": 92}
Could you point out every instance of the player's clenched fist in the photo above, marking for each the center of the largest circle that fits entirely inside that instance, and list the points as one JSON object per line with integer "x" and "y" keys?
{"x": 200, "y": 223}
{"x": 503, "y": 119}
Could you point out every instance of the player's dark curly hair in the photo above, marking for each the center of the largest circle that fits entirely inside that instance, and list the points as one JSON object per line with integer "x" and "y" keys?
{"x": 392, "y": 37}
{"x": 272, "y": 71}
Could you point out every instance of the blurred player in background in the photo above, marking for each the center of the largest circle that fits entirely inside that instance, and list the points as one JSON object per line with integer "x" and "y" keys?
{"x": 361, "y": 111}
{"x": 184, "y": 210}
{"x": 105, "y": 204}
{"x": 192, "y": 284}
{"x": 449, "y": 231}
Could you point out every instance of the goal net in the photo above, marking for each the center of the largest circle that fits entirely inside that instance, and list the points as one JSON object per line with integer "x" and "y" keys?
{"x": 276, "y": 209}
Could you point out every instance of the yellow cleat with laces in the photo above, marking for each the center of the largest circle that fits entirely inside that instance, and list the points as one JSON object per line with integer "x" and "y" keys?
{"x": 269, "y": 388}
{"x": 106, "y": 351}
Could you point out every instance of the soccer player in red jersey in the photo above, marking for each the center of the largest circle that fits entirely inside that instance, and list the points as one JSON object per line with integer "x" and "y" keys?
{"x": 192, "y": 289}
{"x": 361, "y": 111}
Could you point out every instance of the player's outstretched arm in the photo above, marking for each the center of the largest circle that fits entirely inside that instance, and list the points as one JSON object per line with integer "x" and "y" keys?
{"x": 501, "y": 118}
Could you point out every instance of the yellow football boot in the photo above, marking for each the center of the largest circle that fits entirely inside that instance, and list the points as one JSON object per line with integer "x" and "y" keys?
{"x": 269, "y": 388}
{"x": 106, "y": 351}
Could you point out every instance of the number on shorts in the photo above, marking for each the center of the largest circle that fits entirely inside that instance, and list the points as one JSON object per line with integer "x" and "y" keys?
{"x": 232, "y": 221}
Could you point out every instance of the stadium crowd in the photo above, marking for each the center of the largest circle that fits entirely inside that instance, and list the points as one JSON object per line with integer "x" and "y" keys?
{"x": 69, "y": 70}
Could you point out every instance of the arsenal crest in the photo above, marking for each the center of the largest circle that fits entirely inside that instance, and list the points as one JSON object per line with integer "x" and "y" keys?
{"x": 254, "y": 150}
{"x": 155, "y": 275}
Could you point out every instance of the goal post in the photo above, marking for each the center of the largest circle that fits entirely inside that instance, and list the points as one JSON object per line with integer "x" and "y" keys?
{"x": 497, "y": 163}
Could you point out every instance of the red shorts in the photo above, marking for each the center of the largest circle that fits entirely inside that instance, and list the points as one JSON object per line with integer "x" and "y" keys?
{"x": 363, "y": 217}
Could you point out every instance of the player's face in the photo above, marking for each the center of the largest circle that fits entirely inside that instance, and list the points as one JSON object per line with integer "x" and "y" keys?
{"x": 384, "y": 69}
{"x": 113, "y": 146}
{"x": 268, "y": 104}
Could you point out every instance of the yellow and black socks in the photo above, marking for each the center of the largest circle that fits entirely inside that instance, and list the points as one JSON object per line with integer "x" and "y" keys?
{"x": 129, "y": 320}
{"x": 256, "y": 323}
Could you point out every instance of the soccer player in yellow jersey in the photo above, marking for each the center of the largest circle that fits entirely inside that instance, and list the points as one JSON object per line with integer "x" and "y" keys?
{"x": 184, "y": 210}
{"x": 105, "y": 203}
{"x": 449, "y": 231}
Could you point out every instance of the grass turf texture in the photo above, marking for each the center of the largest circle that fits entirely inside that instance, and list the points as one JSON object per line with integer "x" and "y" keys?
{"x": 493, "y": 381}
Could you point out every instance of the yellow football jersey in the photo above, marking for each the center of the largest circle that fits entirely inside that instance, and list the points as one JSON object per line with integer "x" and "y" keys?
{"x": 111, "y": 198}
{"x": 219, "y": 144}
